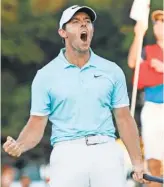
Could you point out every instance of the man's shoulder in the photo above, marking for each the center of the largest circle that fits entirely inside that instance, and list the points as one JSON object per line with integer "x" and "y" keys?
{"x": 48, "y": 71}
{"x": 52, "y": 66}
{"x": 107, "y": 64}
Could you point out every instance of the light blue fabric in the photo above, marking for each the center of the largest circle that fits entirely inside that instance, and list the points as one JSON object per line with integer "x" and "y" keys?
{"x": 79, "y": 101}
{"x": 155, "y": 94}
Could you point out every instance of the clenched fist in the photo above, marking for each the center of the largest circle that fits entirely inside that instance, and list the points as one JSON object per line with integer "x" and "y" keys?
{"x": 12, "y": 147}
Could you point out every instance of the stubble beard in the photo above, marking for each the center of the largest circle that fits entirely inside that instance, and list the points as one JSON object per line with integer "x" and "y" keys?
{"x": 80, "y": 49}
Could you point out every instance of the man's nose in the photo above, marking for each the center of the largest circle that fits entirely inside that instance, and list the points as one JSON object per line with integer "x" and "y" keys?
{"x": 83, "y": 24}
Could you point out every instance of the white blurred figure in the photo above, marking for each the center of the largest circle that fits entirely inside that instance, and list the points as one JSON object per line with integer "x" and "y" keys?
{"x": 45, "y": 174}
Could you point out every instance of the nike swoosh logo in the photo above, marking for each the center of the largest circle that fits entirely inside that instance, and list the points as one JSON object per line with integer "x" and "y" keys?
{"x": 96, "y": 76}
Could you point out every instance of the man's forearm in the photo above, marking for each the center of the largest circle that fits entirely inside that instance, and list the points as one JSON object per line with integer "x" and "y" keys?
{"x": 132, "y": 56}
{"x": 129, "y": 134}
{"x": 31, "y": 134}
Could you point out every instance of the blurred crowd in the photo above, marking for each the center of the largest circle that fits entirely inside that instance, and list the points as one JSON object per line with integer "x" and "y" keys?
{"x": 30, "y": 176}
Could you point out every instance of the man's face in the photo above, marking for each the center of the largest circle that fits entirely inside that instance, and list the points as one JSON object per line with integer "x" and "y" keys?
{"x": 158, "y": 27}
{"x": 79, "y": 32}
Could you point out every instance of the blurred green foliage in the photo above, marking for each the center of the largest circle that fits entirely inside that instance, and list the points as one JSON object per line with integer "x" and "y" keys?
{"x": 30, "y": 40}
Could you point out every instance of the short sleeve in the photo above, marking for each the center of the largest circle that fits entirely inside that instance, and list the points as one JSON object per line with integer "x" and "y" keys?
{"x": 40, "y": 99}
{"x": 120, "y": 95}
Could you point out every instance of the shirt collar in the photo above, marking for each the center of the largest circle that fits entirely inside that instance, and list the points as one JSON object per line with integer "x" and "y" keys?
{"x": 90, "y": 63}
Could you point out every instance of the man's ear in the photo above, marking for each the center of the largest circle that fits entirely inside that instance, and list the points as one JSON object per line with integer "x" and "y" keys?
{"x": 62, "y": 33}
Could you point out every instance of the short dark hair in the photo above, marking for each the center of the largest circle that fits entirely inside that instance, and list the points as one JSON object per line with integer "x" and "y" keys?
{"x": 64, "y": 26}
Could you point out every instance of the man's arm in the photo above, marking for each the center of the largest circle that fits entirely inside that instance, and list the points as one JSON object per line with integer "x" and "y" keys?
{"x": 139, "y": 31}
{"x": 29, "y": 137}
{"x": 129, "y": 135}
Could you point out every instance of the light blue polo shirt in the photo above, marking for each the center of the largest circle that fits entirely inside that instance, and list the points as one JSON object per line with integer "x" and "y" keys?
{"x": 77, "y": 100}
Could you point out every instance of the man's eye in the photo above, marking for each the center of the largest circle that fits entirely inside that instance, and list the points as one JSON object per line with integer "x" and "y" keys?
{"x": 88, "y": 21}
{"x": 75, "y": 21}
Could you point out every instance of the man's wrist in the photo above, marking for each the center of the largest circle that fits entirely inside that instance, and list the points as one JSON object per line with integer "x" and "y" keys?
{"x": 21, "y": 147}
{"x": 137, "y": 161}
{"x": 138, "y": 164}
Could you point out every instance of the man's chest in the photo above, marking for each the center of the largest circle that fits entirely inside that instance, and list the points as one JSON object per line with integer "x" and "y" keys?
{"x": 75, "y": 84}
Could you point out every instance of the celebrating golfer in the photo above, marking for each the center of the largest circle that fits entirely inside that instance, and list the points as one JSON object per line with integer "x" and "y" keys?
{"x": 77, "y": 92}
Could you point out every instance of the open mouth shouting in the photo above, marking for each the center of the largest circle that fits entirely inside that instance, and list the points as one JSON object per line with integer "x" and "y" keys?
{"x": 84, "y": 36}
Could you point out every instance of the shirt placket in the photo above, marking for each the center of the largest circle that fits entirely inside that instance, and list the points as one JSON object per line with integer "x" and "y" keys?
{"x": 82, "y": 80}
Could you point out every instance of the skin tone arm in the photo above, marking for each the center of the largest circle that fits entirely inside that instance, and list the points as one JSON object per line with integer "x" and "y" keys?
{"x": 128, "y": 131}
{"x": 139, "y": 30}
{"x": 29, "y": 137}
{"x": 157, "y": 65}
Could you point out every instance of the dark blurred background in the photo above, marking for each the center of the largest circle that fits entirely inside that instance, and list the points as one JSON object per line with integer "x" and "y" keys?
{"x": 30, "y": 40}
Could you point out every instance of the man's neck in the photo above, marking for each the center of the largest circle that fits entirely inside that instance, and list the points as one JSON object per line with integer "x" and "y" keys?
{"x": 161, "y": 43}
{"x": 77, "y": 58}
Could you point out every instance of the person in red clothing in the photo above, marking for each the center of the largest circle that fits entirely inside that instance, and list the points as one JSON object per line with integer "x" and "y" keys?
{"x": 151, "y": 79}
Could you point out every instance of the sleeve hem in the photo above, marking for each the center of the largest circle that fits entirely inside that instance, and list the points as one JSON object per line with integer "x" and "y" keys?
{"x": 120, "y": 106}
{"x": 38, "y": 114}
